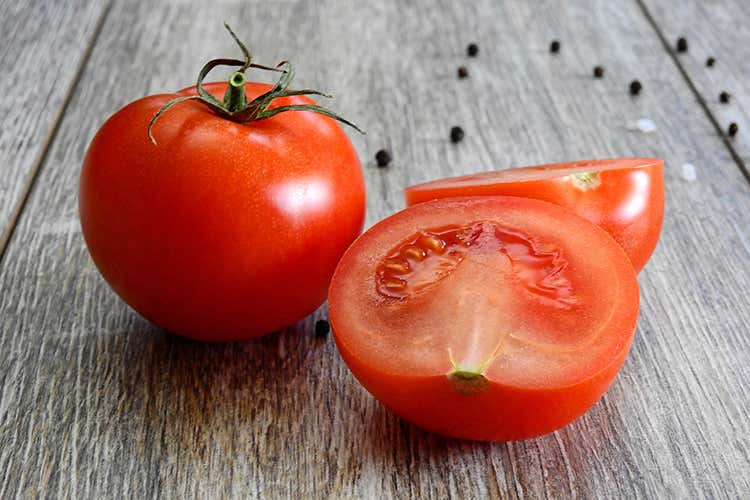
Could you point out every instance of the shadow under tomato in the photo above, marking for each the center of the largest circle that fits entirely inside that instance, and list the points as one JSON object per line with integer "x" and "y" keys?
{"x": 288, "y": 402}
{"x": 193, "y": 397}
{"x": 551, "y": 462}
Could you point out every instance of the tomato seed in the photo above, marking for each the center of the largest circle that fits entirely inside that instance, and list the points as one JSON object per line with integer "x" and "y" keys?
{"x": 710, "y": 61}
{"x": 682, "y": 45}
{"x": 598, "y": 72}
{"x": 415, "y": 253}
{"x": 395, "y": 284}
{"x": 472, "y": 50}
{"x": 383, "y": 157}
{"x": 457, "y": 134}
{"x": 724, "y": 97}
{"x": 322, "y": 327}
{"x": 635, "y": 87}
{"x": 732, "y": 130}
{"x": 554, "y": 47}
{"x": 434, "y": 244}
{"x": 463, "y": 72}
{"x": 397, "y": 268}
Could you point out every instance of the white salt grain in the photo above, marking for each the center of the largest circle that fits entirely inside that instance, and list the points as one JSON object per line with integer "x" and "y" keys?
{"x": 643, "y": 125}
{"x": 688, "y": 172}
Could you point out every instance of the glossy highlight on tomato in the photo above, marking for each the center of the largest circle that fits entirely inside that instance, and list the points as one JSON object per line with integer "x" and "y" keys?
{"x": 486, "y": 318}
{"x": 624, "y": 196}
{"x": 222, "y": 230}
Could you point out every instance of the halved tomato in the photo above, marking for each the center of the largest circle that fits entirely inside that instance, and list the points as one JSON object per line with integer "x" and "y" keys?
{"x": 488, "y": 318}
{"x": 624, "y": 196}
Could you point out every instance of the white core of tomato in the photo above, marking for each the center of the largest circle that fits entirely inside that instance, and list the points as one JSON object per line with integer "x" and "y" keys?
{"x": 483, "y": 327}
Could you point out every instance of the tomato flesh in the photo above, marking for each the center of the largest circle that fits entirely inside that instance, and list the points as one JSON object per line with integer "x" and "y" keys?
{"x": 489, "y": 318}
{"x": 624, "y": 196}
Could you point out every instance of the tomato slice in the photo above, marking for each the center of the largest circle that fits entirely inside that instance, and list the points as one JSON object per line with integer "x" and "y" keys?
{"x": 488, "y": 318}
{"x": 624, "y": 196}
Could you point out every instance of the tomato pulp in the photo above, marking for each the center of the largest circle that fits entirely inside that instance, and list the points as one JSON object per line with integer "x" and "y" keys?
{"x": 222, "y": 230}
{"x": 624, "y": 196}
{"x": 487, "y": 318}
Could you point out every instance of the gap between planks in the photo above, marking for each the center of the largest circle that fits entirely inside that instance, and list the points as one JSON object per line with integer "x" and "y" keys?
{"x": 46, "y": 145}
{"x": 694, "y": 89}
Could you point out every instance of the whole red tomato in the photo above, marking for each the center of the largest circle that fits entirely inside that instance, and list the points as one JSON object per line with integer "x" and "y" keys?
{"x": 221, "y": 230}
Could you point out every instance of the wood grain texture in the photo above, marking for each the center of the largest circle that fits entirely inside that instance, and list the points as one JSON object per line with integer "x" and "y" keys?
{"x": 43, "y": 45}
{"x": 718, "y": 29}
{"x": 97, "y": 403}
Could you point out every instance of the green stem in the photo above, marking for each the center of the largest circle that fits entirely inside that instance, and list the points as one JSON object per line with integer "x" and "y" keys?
{"x": 234, "y": 98}
{"x": 235, "y": 106}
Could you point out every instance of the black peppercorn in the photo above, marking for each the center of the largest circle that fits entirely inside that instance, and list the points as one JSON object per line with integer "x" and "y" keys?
{"x": 457, "y": 134}
{"x": 554, "y": 47}
{"x": 732, "y": 130}
{"x": 682, "y": 44}
{"x": 463, "y": 72}
{"x": 322, "y": 328}
{"x": 472, "y": 50}
{"x": 383, "y": 157}
{"x": 724, "y": 97}
{"x": 710, "y": 61}
{"x": 598, "y": 72}
{"x": 635, "y": 87}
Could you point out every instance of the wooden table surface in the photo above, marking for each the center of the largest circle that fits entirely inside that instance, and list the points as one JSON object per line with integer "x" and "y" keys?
{"x": 95, "y": 402}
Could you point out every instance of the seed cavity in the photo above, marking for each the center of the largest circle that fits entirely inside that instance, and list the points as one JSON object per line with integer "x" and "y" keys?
{"x": 428, "y": 257}
{"x": 421, "y": 261}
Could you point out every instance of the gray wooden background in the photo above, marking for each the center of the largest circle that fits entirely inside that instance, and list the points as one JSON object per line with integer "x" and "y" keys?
{"x": 95, "y": 402}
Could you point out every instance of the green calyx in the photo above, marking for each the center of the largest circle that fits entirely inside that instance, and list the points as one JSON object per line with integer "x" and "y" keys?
{"x": 234, "y": 105}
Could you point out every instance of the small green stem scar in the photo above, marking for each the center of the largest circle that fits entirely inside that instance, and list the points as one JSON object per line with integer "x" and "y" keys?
{"x": 471, "y": 380}
{"x": 586, "y": 180}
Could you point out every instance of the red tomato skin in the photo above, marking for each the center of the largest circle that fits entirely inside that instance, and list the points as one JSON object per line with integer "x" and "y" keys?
{"x": 628, "y": 204}
{"x": 501, "y": 413}
{"x": 222, "y": 231}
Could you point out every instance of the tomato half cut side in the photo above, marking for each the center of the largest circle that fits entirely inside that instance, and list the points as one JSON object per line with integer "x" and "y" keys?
{"x": 486, "y": 318}
{"x": 624, "y": 196}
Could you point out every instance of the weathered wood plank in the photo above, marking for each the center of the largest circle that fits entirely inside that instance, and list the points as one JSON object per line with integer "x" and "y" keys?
{"x": 721, "y": 30}
{"x": 43, "y": 44}
{"x": 96, "y": 402}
